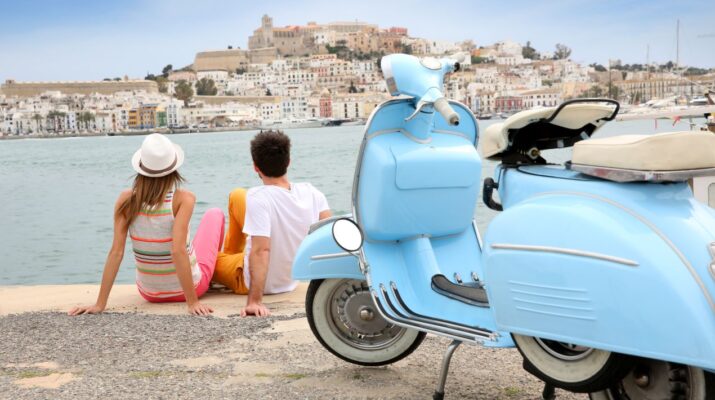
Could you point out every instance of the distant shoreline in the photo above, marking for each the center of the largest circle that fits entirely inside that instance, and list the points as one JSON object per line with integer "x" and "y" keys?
{"x": 177, "y": 131}
{"x": 128, "y": 133}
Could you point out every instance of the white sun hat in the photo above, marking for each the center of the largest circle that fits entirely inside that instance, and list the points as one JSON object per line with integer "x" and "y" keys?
{"x": 157, "y": 157}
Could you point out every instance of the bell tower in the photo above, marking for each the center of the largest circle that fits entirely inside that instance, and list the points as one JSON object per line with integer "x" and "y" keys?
{"x": 267, "y": 30}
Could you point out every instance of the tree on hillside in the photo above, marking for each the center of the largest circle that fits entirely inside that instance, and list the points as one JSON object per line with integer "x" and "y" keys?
{"x": 183, "y": 91}
{"x": 479, "y": 60}
{"x": 162, "y": 82}
{"x": 206, "y": 87}
{"x": 562, "y": 52}
{"x": 595, "y": 91}
{"x": 530, "y": 52}
{"x": 352, "y": 88}
{"x": 150, "y": 77}
{"x": 166, "y": 70}
{"x": 598, "y": 67}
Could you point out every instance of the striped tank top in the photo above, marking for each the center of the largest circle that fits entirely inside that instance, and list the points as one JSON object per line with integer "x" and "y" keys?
{"x": 151, "y": 235}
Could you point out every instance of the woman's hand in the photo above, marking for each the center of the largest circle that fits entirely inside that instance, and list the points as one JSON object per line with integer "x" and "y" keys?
{"x": 93, "y": 309}
{"x": 199, "y": 309}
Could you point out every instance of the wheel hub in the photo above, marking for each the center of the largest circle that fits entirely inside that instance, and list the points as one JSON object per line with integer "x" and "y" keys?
{"x": 652, "y": 379}
{"x": 366, "y": 314}
{"x": 355, "y": 320}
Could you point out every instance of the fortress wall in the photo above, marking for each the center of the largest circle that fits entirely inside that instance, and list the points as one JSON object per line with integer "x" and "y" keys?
{"x": 220, "y": 60}
{"x": 28, "y": 89}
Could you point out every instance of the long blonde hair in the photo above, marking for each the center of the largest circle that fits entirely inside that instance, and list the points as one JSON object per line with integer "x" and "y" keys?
{"x": 148, "y": 193}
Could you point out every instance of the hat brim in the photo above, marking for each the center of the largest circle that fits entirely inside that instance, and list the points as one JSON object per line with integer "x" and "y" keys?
{"x": 136, "y": 160}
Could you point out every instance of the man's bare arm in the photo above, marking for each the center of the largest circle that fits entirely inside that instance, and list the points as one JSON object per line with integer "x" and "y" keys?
{"x": 258, "y": 261}
{"x": 325, "y": 214}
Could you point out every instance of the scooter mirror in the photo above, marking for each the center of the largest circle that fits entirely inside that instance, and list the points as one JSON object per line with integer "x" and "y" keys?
{"x": 347, "y": 235}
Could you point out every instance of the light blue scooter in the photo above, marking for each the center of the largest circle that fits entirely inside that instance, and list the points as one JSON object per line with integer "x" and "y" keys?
{"x": 600, "y": 272}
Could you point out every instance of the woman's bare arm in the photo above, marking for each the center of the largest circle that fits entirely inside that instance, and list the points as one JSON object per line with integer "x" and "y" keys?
{"x": 185, "y": 201}
{"x": 111, "y": 265}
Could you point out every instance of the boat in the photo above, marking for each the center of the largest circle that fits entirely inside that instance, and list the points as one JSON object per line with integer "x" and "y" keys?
{"x": 354, "y": 122}
{"x": 292, "y": 124}
{"x": 484, "y": 116}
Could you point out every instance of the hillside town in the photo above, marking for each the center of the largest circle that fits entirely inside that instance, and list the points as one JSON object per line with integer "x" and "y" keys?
{"x": 324, "y": 75}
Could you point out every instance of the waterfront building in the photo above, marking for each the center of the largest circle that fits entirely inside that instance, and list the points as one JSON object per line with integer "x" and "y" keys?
{"x": 648, "y": 89}
{"x": 508, "y": 104}
{"x": 325, "y": 104}
{"x": 173, "y": 114}
{"x": 546, "y": 97}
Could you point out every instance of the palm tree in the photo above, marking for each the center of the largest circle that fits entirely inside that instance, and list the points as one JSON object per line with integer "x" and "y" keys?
{"x": 54, "y": 117}
{"x": 38, "y": 118}
{"x": 85, "y": 118}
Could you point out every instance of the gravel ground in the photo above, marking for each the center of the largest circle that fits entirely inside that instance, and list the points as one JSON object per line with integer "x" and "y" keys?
{"x": 140, "y": 356}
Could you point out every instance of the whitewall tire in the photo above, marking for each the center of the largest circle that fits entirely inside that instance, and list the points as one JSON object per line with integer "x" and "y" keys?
{"x": 344, "y": 319}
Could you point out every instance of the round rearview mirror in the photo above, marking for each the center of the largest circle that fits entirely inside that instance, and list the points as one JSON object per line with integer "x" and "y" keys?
{"x": 347, "y": 235}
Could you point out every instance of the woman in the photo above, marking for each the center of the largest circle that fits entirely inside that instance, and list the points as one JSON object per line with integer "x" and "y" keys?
{"x": 156, "y": 214}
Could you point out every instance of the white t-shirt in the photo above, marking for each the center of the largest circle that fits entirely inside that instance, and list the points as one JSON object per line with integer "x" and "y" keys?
{"x": 284, "y": 216}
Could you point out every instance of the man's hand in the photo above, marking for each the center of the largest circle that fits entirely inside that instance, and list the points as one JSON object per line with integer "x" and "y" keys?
{"x": 93, "y": 309}
{"x": 257, "y": 309}
{"x": 200, "y": 309}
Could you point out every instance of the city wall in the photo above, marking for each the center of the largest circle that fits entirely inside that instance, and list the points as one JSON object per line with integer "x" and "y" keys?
{"x": 28, "y": 89}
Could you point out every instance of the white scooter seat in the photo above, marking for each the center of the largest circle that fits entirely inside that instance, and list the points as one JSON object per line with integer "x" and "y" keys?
{"x": 672, "y": 156}
{"x": 496, "y": 137}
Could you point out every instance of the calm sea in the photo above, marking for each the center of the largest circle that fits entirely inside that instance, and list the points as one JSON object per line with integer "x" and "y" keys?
{"x": 57, "y": 195}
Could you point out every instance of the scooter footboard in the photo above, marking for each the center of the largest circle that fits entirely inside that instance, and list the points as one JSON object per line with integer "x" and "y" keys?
{"x": 562, "y": 268}
{"x": 319, "y": 257}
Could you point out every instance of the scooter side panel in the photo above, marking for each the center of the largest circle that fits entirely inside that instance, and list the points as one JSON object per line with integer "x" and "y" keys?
{"x": 404, "y": 267}
{"x": 319, "y": 257}
{"x": 582, "y": 270}
{"x": 668, "y": 210}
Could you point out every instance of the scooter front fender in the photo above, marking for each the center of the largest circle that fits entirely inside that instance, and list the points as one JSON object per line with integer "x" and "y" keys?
{"x": 590, "y": 271}
{"x": 319, "y": 257}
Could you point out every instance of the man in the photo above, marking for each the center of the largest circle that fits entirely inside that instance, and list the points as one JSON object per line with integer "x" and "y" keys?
{"x": 270, "y": 221}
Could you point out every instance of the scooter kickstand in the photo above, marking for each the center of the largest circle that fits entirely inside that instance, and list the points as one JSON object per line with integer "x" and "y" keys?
{"x": 446, "y": 360}
{"x": 549, "y": 392}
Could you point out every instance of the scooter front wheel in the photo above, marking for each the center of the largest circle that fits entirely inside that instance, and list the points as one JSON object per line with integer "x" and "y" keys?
{"x": 344, "y": 319}
{"x": 653, "y": 379}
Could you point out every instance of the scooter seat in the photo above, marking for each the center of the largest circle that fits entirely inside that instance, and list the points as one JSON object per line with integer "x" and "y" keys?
{"x": 466, "y": 293}
{"x": 571, "y": 121}
{"x": 664, "y": 152}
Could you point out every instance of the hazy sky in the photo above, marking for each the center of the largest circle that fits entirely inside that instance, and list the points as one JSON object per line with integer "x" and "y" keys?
{"x": 86, "y": 40}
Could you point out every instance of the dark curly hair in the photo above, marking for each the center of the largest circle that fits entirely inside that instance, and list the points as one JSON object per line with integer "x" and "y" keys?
{"x": 270, "y": 151}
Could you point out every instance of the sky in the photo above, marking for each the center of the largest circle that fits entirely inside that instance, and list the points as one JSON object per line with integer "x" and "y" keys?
{"x": 47, "y": 40}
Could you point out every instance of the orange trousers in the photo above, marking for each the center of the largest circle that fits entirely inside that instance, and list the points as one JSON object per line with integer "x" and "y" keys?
{"x": 229, "y": 263}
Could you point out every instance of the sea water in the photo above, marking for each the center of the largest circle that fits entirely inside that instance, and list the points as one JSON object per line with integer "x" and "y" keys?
{"x": 57, "y": 195}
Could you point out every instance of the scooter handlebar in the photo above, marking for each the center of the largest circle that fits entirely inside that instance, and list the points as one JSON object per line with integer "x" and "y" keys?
{"x": 442, "y": 106}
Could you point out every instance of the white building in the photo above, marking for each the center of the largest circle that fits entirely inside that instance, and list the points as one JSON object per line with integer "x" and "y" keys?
{"x": 219, "y": 76}
{"x": 439, "y": 47}
{"x": 547, "y": 97}
{"x": 173, "y": 114}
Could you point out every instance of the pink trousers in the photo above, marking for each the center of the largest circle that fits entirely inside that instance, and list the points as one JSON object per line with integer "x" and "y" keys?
{"x": 207, "y": 243}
